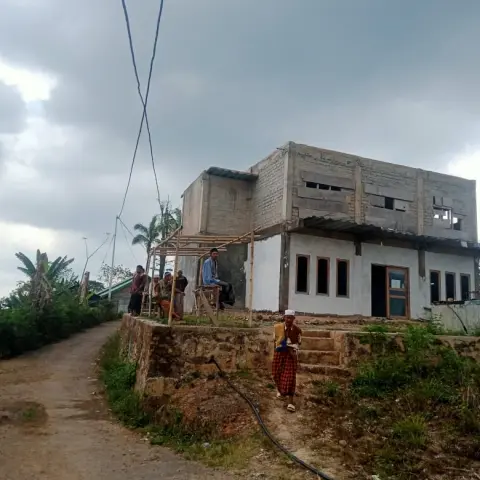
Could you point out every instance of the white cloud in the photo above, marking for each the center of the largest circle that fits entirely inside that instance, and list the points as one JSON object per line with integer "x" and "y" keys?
{"x": 32, "y": 86}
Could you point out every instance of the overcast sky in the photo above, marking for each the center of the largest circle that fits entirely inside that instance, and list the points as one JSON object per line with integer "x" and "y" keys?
{"x": 395, "y": 80}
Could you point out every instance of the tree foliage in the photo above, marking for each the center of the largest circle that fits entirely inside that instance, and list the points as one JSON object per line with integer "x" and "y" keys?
{"x": 45, "y": 308}
{"x": 120, "y": 273}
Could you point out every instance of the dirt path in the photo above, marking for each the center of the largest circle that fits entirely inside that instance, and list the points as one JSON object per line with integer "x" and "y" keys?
{"x": 53, "y": 425}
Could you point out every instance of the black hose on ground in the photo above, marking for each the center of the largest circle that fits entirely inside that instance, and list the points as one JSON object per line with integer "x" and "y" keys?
{"x": 265, "y": 430}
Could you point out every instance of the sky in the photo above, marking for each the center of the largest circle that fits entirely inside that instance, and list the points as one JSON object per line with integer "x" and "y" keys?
{"x": 395, "y": 81}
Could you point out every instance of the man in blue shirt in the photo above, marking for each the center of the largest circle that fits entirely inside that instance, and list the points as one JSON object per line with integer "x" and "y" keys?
{"x": 210, "y": 277}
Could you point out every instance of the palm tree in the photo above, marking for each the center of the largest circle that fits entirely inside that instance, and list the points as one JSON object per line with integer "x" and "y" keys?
{"x": 170, "y": 220}
{"x": 160, "y": 227}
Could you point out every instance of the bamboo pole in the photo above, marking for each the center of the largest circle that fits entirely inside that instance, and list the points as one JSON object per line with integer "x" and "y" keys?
{"x": 151, "y": 285}
{"x": 172, "y": 235}
{"x": 174, "y": 282}
{"x": 236, "y": 240}
{"x": 250, "y": 299}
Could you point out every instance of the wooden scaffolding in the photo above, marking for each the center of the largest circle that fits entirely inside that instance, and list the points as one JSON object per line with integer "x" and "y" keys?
{"x": 206, "y": 297}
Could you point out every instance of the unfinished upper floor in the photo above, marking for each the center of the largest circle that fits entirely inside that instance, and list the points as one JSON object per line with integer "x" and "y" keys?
{"x": 297, "y": 183}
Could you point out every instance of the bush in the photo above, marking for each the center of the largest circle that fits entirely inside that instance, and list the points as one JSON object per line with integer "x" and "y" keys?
{"x": 23, "y": 329}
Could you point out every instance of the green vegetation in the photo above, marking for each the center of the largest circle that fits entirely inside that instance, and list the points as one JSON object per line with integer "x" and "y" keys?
{"x": 45, "y": 308}
{"x": 407, "y": 401}
{"x": 165, "y": 426}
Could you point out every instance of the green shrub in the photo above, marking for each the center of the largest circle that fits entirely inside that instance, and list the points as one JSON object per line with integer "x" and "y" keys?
{"x": 23, "y": 329}
{"x": 119, "y": 377}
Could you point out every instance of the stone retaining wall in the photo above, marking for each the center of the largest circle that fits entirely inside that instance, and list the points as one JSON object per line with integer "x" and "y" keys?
{"x": 165, "y": 355}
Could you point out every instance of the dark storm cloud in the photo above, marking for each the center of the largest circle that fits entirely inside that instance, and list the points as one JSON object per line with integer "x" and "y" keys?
{"x": 395, "y": 80}
{"x": 235, "y": 79}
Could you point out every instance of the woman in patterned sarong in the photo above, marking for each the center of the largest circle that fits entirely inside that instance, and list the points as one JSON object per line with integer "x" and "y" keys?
{"x": 287, "y": 337}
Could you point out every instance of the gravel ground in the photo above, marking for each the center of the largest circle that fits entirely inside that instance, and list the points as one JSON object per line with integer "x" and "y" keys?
{"x": 54, "y": 426}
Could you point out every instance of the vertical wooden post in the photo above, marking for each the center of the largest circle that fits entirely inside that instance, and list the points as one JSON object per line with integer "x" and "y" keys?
{"x": 250, "y": 299}
{"x": 153, "y": 257}
{"x": 174, "y": 282}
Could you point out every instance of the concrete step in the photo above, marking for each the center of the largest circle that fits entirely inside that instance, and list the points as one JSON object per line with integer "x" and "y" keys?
{"x": 325, "y": 370}
{"x": 316, "y": 333}
{"x": 318, "y": 343}
{"x": 313, "y": 357}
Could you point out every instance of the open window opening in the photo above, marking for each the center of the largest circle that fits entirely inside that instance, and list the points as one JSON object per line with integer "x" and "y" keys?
{"x": 322, "y": 186}
{"x": 323, "y": 274}
{"x": 450, "y": 286}
{"x": 465, "y": 286}
{"x": 342, "y": 278}
{"x": 434, "y": 286}
{"x": 301, "y": 285}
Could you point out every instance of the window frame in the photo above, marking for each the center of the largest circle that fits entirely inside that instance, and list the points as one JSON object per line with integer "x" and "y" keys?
{"x": 348, "y": 278}
{"x": 454, "y": 285}
{"x": 466, "y": 275}
{"x": 439, "y": 273}
{"x": 308, "y": 274}
{"x": 327, "y": 294}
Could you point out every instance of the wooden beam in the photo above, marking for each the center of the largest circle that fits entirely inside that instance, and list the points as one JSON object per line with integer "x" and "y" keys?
{"x": 250, "y": 299}
{"x": 174, "y": 282}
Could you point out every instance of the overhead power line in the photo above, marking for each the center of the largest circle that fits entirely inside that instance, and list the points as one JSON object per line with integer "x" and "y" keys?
{"x": 144, "y": 101}
{"x": 126, "y": 240}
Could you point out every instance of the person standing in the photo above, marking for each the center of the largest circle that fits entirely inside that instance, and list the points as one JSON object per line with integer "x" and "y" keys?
{"x": 165, "y": 293}
{"x": 180, "y": 285}
{"x": 210, "y": 277}
{"x": 287, "y": 340}
{"x": 136, "y": 291}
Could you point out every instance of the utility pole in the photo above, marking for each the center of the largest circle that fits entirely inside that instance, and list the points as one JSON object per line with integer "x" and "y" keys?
{"x": 113, "y": 260}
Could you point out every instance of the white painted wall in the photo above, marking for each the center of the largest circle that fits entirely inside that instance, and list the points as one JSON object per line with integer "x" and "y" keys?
{"x": 359, "y": 300}
{"x": 266, "y": 274}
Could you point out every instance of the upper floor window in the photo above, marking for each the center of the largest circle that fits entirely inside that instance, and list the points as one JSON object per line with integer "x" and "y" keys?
{"x": 322, "y": 186}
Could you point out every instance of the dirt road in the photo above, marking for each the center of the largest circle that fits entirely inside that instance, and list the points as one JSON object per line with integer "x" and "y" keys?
{"x": 54, "y": 426}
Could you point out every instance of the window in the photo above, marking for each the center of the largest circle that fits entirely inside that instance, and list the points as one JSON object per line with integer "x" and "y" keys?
{"x": 321, "y": 186}
{"x": 323, "y": 274}
{"x": 434, "y": 286}
{"x": 450, "y": 285}
{"x": 389, "y": 202}
{"x": 302, "y": 274}
{"x": 465, "y": 286}
{"x": 342, "y": 278}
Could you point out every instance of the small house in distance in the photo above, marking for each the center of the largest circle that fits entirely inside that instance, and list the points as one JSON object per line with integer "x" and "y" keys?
{"x": 342, "y": 234}
{"x": 120, "y": 294}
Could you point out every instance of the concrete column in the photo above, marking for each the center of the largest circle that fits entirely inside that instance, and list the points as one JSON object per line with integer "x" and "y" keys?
{"x": 284, "y": 272}
{"x": 358, "y": 192}
{"x": 420, "y": 198}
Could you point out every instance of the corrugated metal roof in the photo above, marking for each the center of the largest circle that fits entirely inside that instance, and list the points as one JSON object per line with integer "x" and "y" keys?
{"x": 349, "y": 226}
{"x": 234, "y": 174}
{"x": 116, "y": 288}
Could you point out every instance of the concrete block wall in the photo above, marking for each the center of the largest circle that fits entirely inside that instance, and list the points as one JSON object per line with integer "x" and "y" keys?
{"x": 192, "y": 207}
{"x": 269, "y": 191}
{"x": 381, "y": 179}
{"x": 362, "y": 186}
{"x": 321, "y": 166}
{"x": 461, "y": 193}
{"x": 228, "y": 206}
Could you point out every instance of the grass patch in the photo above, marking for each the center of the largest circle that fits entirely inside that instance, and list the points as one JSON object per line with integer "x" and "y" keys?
{"x": 405, "y": 403}
{"x": 167, "y": 428}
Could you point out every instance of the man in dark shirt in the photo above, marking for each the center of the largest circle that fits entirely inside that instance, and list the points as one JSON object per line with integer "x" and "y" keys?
{"x": 136, "y": 291}
{"x": 180, "y": 285}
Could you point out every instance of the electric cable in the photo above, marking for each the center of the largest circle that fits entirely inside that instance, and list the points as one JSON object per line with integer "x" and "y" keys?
{"x": 264, "y": 428}
{"x": 128, "y": 243}
{"x": 144, "y": 101}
